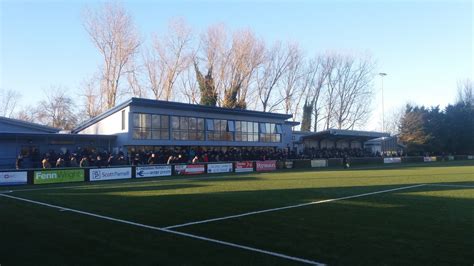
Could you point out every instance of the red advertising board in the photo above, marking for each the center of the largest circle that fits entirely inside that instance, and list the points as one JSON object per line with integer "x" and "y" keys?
{"x": 189, "y": 169}
{"x": 243, "y": 167}
{"x": 265, "y": 166}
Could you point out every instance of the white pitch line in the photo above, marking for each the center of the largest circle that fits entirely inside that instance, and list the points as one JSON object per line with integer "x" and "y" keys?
{"x": 448, "y": 185}
{"x": 275, "y": 254}
{"x": 289, "y": 207}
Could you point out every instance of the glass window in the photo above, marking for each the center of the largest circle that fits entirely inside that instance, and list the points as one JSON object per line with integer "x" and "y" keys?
{"x": 231, "y": 126}
{"x": 278, "y": 128}
{"x": 210, "y": 124}
{"x": 200, "y": 123}
{"x": 155, "y": 121}
{"x": 175, "y": 122}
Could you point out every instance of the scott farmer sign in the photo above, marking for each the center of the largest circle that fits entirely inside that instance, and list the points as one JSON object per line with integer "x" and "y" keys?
{"x": 110, "y": 173}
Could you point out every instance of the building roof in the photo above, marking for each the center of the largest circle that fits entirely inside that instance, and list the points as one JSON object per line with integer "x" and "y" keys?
{"x": 19, "y": 126}
{"x": 56, "y": 135}
{"x": 345, "y": 134}
{"x": 178, "y": 106}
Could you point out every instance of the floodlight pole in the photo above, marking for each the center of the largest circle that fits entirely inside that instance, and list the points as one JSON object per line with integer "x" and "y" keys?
{"x": 382, "y": 75}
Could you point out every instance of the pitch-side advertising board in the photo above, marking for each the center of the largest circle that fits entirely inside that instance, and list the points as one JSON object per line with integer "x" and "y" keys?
{"x": 110, "y": 173}
{"x": 13, "y": 178}
{"x": 189, "y": 169}
{"x": 241, "y": 167}
{"x": 58, "y": 176}
{"x": 265, "y": 166}
{"x": 153, "y": 171}
{"x": 219, "y": 168}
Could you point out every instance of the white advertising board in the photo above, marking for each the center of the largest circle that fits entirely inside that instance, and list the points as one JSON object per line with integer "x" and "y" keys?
{"x": 219, "y": 168}
{"x": 470, "y": 157}
{"x": 110, "y": 173}
{"x": 153, "y": 171}
{"x": 241, "y": 167}
{"x": 13, "y": 178}
{"x": 392, "y": 160}
{"x": 429, "y": 159}
{"x": 319, "y": 163}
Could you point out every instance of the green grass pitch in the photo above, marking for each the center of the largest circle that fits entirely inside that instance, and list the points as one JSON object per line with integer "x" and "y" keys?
{"x": 430, "y": 224}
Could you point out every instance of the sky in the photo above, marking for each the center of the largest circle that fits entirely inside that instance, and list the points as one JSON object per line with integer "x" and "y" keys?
{"x": 424, "y": 46}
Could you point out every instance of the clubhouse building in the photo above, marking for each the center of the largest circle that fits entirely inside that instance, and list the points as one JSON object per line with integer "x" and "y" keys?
{"x": 148, "y": 125}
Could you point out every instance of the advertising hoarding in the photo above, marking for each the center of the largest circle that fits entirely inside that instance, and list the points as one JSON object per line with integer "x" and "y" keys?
{"x": 189, "y": 169}
{"x": 392, "y": 160}
{"x": 265, "y": 165}
{"x": 110, "y": 173}
{"x": 429, "y": 159}
{"x": 288, "y": 164}
{"x": 319, "y": 163}
{"x": 58, "y": 176}
{"x": 153, "y": 171}
{"x": 13, "y": 178}
{"x": 241, "y": 167}
{"x": 219, "y": 168}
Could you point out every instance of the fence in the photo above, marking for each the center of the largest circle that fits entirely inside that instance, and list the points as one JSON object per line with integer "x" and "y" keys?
{"x": 91, "y": 174}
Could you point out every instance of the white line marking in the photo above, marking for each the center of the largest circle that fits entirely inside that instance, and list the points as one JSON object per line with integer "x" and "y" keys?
{"x": 169, "y": 231}
{"x": 289, "y": 207}
{"x": 447, "y": 185}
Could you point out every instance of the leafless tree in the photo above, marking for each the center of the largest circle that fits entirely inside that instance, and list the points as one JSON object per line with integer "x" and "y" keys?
{"x": 170, "y": 56}
{"x": 465, "y": 92}
{"x": 9, "y": 100}
{"x": 189, "y": 86}
{"x": 393, "y": 119}
{"x": 294, "y": 87}
{"x": 112, "y": 31}
{"x": 92, "y": 99}
{"x": 57, "y": 109}
{"x": 233, "y": 61}
{"x": 274, "y": 70}
{"x": 351, "y": 86}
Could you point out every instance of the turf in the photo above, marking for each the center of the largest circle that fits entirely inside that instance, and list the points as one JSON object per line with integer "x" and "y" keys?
{"x": 419, "y": 226}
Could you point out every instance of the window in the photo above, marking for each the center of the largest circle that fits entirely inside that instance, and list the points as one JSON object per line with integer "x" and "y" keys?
{"x": 246, "y": 131}
{"x": 219, "y": 129}
{"x": 148, "y": 126}
{"x": 187, "y": 128}
{"x": 270, "y": 132}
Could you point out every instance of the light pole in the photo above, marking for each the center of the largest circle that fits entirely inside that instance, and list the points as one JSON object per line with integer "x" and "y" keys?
{"x": 382, "y": 75}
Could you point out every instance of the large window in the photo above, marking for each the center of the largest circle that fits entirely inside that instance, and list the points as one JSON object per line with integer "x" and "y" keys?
{"x": 246, "y": 131}
{"x": 187, "y": 128}
{"x": 219, "y": 129}
{"x": 270, "y": 132}
{"x": 148, "y": 126}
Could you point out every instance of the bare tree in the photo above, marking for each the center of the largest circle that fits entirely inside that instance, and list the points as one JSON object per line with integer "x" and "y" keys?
{"x": 294, "y": 87}
{"x": 393, "y": 119}
{"x": 269, "y": 79}
{"x": 57, "y": 110}
{"x": 92, "y": 100}
{"x": 352, "y": 85}
{"x": 465, "y": 92}
{"x": 232, "y": 63}
{"x": 316, "y": 76}
{"x": 8, "y": 101}
{"x": 113, "y": 32}
{"x": 170, "y": 56}
{"x": 189, "y": 86}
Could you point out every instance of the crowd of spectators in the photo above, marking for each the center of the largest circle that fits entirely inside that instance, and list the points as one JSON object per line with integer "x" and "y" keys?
{"x": 87, "y": 158}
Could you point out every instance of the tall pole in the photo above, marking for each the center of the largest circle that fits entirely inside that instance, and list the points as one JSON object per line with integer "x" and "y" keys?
{"x": 382, "y": 75}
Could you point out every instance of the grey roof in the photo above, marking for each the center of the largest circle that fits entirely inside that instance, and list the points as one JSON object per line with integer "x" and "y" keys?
{"x": 27, "y": 125}
{"x": 343, "y": 133}
{"x": 178, "y": 106}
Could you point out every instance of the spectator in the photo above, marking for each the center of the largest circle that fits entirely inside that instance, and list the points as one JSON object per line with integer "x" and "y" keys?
{"x": 45, "y": 163}
{"x": 84, "y": 162}
{"x": 73, "y": 162}
{"x": 19, "y": 162}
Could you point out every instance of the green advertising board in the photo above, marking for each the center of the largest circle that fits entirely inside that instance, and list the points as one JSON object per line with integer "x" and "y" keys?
{"x": 58, "y": 176}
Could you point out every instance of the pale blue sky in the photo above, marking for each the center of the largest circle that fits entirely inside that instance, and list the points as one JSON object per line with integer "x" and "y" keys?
{"x": 424, "y": 46}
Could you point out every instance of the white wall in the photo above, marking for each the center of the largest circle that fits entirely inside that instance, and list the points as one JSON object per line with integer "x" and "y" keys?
{"x": 109, "y": 125}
